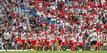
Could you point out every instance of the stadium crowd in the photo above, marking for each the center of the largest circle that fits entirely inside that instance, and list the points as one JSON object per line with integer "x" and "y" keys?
{"x": 53, "y": 24}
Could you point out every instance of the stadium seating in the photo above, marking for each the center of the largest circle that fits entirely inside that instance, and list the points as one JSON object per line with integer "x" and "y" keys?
{"x": 52, "y": 21}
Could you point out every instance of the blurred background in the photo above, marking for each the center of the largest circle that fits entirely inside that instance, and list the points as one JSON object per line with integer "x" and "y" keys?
{"x": 53, "y": 24}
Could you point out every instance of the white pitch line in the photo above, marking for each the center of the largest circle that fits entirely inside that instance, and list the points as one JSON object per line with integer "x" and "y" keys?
{"x": 15, "y": 50}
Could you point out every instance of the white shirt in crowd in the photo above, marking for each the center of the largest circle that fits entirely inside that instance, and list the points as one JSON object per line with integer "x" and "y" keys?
{"x": 34, "y": 36}
{"x": 93, "y": 36}
{"x": 73, "y": 38}
{"x": 6, "y": 35}
{"x": 80, "y": 39}
{"x": 23, "y": 35}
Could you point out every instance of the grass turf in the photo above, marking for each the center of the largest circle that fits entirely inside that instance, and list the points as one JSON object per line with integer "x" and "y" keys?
{"x": 53, "y": 52}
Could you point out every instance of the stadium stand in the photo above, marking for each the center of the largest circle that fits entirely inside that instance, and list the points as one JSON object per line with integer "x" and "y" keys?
{"x": 53, "y": 24}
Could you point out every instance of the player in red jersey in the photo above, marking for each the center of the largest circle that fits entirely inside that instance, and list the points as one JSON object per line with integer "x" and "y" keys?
{"x": 34, "y": 39}
{"x": 73, "y": 42}
{"x": 23, "y": 39}
{"x": 99, "y": 42}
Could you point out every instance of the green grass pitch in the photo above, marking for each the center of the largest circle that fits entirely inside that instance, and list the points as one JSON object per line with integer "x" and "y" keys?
{"x": 53, "y": 52}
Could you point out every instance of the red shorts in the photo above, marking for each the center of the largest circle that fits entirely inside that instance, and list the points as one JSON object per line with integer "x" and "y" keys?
{"x": 48, "y": 43}
{"x": 99, "y": 44}
{"x": 33, "y": 42}
{"x": 21, "y": 42}
{"x": 63, "y": 44}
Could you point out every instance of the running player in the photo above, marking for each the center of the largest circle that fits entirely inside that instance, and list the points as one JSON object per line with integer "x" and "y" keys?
{"x": 73, "y": 41}
{"x": 80, "y": 41}
{"x": 93, "y": 40}
{"x": 34, "y": 39}
{"x": 23, "y": 39}
{"x": 6, "y": 37}
{"x": 99, "y": 43}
